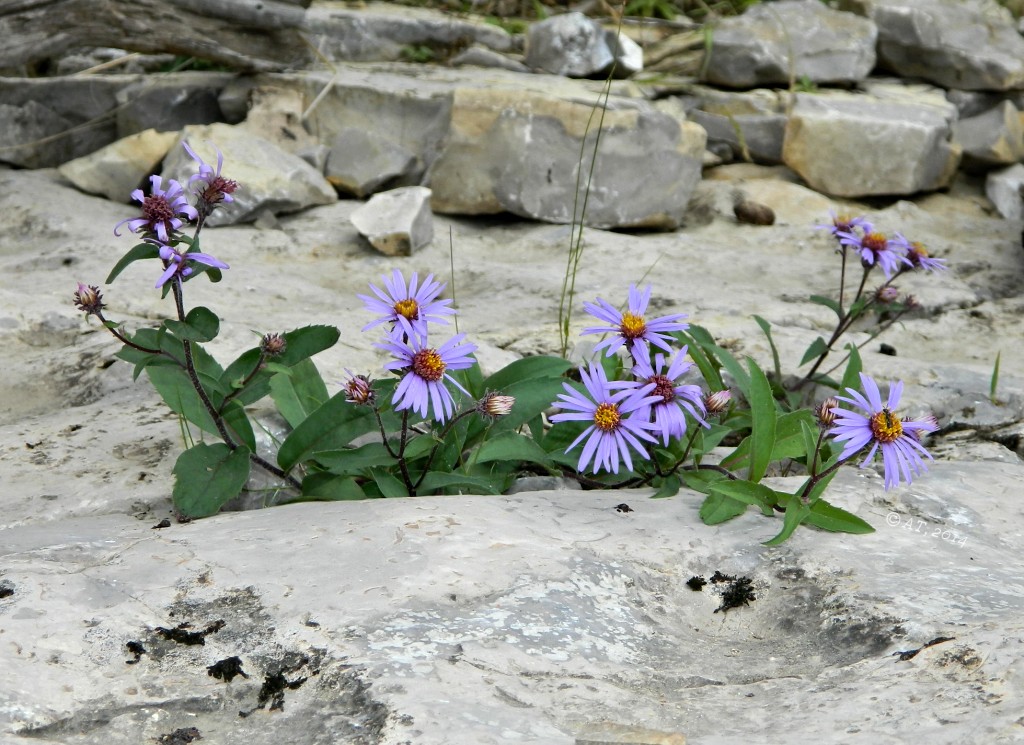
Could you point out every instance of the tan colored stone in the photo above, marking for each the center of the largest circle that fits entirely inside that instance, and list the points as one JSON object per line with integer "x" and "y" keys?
{"x": 116, "y": 170}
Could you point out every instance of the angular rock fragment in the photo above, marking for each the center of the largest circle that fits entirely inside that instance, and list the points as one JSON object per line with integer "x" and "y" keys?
{"x": 116, "y": 170}
{"x": 397, "y": 222}
{"x": 361, "y": 162}
{"x": 992, "y": 139}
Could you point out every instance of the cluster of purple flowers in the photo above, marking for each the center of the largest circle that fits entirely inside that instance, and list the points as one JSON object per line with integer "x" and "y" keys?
{"x": 894, "y": 255}
{"x": 165, "y": 209}
{"x": 407, "y": 309}
{"x": 622, "y": 415}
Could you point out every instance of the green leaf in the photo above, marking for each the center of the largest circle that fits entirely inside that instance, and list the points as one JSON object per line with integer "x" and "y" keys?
{"x": 835, "y": 519}
{"x": 851, "y": 376}
{"x": 388, "y": 483}
{"x": 298, "y": 393}
{"x": 818, "y": 347}
{"x": 511, "y": 447}
{"x": 718, "y": 508}
{"x": 238, "y": 424}
{"x": 748, "y": 492}
{"x": 828, "y": 303}
{"x": 796, "y": 513}
{"x": 526, "y": 369}
{"x": 701, "y": 479}
{"x": 332, "y": 426}
{"x": 763, "y": 422}
{"x": 436, "y": 480}
{"x": 707, "y": 365}
{"x": 354, "y": 460}
{"x": 138, "y": 252}
{"x": 532, "y": 396}
{"x": 789, "y": 441}
{"x": 331, "y": 488}
{"x": 669, "y": 487}
{"x": 208, "y": 476}
{"x": 201, "y": 324}
{"x": 767, "y": 329}
{"x": 810, "y": 438}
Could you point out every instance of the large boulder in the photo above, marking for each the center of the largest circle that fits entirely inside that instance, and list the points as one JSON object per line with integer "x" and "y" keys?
{"x": 750, "y": 124}
{"x": 992, "y": 139}
{"x": 858, "y": 145}
{"x": 966, "y": 44}
{"x": 773, "y": 43}
{"x": 533, "y": 156}
{"x": 573, "y": 44}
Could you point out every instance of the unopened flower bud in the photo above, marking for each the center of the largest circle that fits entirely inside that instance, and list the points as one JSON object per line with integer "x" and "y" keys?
{"x": 826, "y": 412}
{"x": 918, "y": 434}
{"x": 358, "y": 390}
{"x": 886, "y": 295}
{"x": 88, "y": 299}
{"x": 273, "y": 345}
{"x": 718, "y": 401}
{"x": 495, "y": 405}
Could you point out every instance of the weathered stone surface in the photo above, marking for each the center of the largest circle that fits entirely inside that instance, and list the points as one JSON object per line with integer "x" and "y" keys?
{"x": 853, "y": 145}
{"x": 992, "y": 139}
{"x": 381, "y": 31}
{"x": 570, "y": 44}
{"x": 774, "y": 42}
{"x": 628, "y": 55}
{"x": 361, "y": 162}
{"x": 521, "y": 154}
{"x": 397, "y": 222}
{"x": 170, "y": 102}
{"x": 116, "y": 170}
{"x": 1004, "y": 189}
{"x": 271, "y": 179}
{"x": 484, "y": 57}
{"x": 968, "y": 44}
{"x": 47, "y": 121}
{"x": 751, "y": 124}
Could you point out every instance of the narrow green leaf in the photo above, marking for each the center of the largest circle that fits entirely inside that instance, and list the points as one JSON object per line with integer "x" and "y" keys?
{"x": 718, "y": 508}
{"x": 851, "y": 377}
{"x": 835, "y": 519}
{"x": 708, "y": 369}
{"x": 789, "y": 442}
{"x": 767, "y": 329}
{"x": 208, "y": 476}
{"x": 818, "y": 347}
{"x": 511, "y": 447}
{"x": 796, "y": 513}
{"x": 438, "y": 480}
{"x": 669, "y": 487}
{"x": 354, "y": 460}
{"x": 542, "y": 366}
{"x": 238, "y": 424}
{"x": 332, "y": 426}
{"x": 298, "y": 393}
{"x": 331, "y": 488}
{"x": 758, "y": 495}
{"x": 763, "y": 422}
{"x": 389, "y": 484}
{"x": 810, "y": 438}
{"x": 828, "y": 303}
{"x": 138, "y": 252}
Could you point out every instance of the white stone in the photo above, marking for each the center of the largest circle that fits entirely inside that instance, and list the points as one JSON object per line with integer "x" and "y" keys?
{"x": 397, "y": 222}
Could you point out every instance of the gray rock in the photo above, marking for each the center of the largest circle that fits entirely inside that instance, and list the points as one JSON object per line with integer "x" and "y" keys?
{"x": 478, "y": 56}
{"x": 384, "y": 32}
{"x": 967, "y": 44}
{"x": 751, "y": 124}
{"x": 771, "y": 42}
{"x": 361, "y": 162}
{"x": 508, "y": 152}
{"x": 628, "y": 55}
{"x": 397, "y": 222}
{"x": 116, "y": 170}
{"x": 169, "y": 102}
{"x": 570, "y": 44}
{"x": 992, "y": 139}
{"x": 1004, "y": 189}
{"x": 270, "y": 179}
{"x": 855, "y": 145}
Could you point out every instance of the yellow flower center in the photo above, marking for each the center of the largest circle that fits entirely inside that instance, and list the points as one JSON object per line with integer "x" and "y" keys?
{"x": 427, "y": 363}
{"x": 919, "y": 249}
{"x": 632, "y": 326}
{"x": 875, "y": 241}
{"x": 408, "y": 308}
{"x": 885, "y": 426}
{"x": 606, "y": 417}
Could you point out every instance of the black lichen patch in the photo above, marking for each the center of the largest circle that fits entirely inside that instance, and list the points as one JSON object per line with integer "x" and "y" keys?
{"x": 180, "y": 736}
{"x": 137, "y": 650}
{"x": 226, "y": 669}
{"x": 623, "y": 508}
{"x": 275, "y": 684}
{"x": 737, "y": 591}
{"x": 912, "y": 653}
{"x": 165, "y": 523}
{"x": 696, "y": 583}
{"x": 6, "y": 589}
{"x": 182, "y": 635}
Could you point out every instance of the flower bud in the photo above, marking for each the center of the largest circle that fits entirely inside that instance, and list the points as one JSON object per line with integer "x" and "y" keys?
{"x": 718, "y": 401}
{"x": 825, "y": 412}
{"x": 273, "y": 345}
{"x": 358, "y": 390}
{"x": 886, "y": 295}
{"x": 88, "y": 299}
{"x": 494, "y": 405}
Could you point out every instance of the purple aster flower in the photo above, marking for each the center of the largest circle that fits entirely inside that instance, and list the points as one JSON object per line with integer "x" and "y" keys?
{"x": 161, "y": 210}
{"x": 425, "y": 372}
{"x": 918, "y": 257}
{"x": 875, "y": 248}
{"x": 842, "y": 223}
{"x": 408, "y": 308}
{"x": 632, "y": 327}
{"x": 899, "y": 439}
{"x": 673, "y": 398}
{"x": 176, "y": 263}
{"x": 618, "y": 419}
{"x": 215, "y": 188}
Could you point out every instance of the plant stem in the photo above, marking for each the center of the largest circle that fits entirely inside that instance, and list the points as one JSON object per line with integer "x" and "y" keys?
{"x": 125, "y": 340}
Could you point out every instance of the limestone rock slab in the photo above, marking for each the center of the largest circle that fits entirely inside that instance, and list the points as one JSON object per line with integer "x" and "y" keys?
{"x": 116, "y": 170}
{"x": 1003, "y": 188}
{"x": 397, "y": 222}
{"x": 991, "y": 139}
{"x": 803, "y": 38}
{"x": 361, "y": 162}
{"x": 853, "y": 145}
